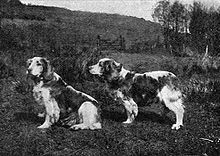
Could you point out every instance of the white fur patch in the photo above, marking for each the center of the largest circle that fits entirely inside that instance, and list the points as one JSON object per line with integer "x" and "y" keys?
{"x": 156, "y": 74}
{"x": 123, "y": 72}
{"x": 88, "y": 114}
{"x": 173, "y": 100}
{"x": 130, "y": 106}
{"x": 95, "y": 69}
{"x": 43, "y": 97}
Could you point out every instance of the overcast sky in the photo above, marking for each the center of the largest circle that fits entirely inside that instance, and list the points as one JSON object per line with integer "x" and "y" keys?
{"x": 138, "y": 8}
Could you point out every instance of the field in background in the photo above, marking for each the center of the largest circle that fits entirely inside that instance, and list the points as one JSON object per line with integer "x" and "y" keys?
{"x": 150, "y": 134}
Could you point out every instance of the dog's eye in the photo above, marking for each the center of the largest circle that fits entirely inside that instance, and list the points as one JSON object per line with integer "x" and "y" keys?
{"x": 100, "y": 64}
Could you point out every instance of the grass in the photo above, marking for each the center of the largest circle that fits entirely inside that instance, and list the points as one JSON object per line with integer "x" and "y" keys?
{"x": 150, "y": 134}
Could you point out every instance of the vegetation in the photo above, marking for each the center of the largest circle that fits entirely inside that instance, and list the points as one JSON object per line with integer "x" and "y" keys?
{"x": 150, "y": 134}
{"x": 67, "y": 38}
{"x": 193, "y": 25}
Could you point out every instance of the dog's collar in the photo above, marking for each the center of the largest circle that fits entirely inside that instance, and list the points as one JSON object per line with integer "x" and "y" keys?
{"x": 35, "y": 79}
{"x": 38, "y": 79}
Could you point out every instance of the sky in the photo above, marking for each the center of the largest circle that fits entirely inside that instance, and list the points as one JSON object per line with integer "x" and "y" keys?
{"x": 137, "y": 8}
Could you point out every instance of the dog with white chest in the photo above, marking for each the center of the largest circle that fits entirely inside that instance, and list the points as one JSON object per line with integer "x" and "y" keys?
{"x": 135, "y": 89}
{"x": 61, "y": 99}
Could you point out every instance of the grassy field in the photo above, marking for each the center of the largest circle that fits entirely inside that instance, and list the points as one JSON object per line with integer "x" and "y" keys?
{"x": 150, "y": 134}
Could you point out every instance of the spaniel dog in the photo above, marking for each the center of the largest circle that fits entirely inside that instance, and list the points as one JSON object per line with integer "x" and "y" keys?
{"x": 134, "y": 89}
{"x": 61, "y": 99}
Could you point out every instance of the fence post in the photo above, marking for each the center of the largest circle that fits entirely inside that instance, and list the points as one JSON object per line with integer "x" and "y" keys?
{"x": 98, "y": 40}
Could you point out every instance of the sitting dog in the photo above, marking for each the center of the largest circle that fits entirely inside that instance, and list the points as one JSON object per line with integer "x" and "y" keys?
{"x": 61, "y": 99}
{"x": 134, "y": 89}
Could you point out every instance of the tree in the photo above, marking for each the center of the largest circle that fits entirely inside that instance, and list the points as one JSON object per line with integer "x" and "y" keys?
{"x": 197, "y": 25}
{"x": 178, "y": 20}
{"x": 161, "y": 14}
{"x": 174, "y": 19}
{"x": 212, "y": 31}
{"x": 177, "y": 13}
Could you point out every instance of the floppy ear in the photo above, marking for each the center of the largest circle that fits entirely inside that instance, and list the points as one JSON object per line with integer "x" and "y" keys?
{"x": 48, "y": 69}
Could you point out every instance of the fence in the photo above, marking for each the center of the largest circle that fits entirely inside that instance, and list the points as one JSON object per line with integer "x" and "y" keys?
{"x": 107, "y": 44}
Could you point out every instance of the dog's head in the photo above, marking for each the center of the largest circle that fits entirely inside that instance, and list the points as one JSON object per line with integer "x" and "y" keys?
{"x": 39, "y": 67}
{"x": 106, "y": 68}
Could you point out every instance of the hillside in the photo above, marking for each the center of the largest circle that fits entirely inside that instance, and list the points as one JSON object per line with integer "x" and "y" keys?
{"x": 77, "y": 27}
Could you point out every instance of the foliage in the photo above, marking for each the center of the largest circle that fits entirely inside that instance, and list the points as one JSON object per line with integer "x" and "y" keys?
{"x": 181, "y": 21}
{"x": 204, "y": 27}
{"x": 174, "y": 19}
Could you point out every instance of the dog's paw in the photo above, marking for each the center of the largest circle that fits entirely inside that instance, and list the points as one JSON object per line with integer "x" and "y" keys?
{"x": 176, "y": 126}
{"x": 78, "y": 126}
{"x": 44, "y": 126}
{"x": 128, "y": 121}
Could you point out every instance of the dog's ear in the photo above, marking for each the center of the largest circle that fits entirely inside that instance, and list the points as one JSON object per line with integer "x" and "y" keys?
{"x": 47, "y": 69}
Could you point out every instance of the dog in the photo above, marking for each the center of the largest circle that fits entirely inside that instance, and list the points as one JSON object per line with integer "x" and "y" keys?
{"x": 61, "y": 99}
{"x": 135, "y": 89}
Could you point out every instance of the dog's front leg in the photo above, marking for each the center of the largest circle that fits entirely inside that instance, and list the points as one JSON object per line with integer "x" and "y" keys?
{"x": 52, "y": 113}
{"x": 131, "y": 110}
{"x": 46, "y": 123}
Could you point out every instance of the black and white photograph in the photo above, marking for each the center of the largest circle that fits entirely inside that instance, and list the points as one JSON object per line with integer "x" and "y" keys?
{"x": 109, "y": 78}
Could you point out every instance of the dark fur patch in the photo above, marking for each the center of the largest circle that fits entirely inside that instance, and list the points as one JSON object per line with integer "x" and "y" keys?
{"x": 123, "y": 83}
{"x": 110, "y": 70}
{"x": 107, "y": 70}
{"x": 33, "y": 79}
{"x": 45, "y": 66}
{"x": 144, "y": 90}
